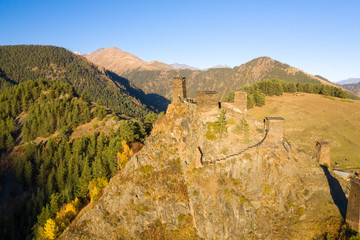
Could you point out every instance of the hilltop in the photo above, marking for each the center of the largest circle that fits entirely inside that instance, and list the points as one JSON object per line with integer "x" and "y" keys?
{"x": 20, "y": 63}
{"x": 121, "y": 62}
{"x": 310, "y": 117}
{"x": 221, "y": 78}
{"x": 192, "y": 182}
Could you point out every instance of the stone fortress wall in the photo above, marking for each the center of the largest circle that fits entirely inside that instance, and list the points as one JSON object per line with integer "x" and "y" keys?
{"x": 322, "y": 153}
{"x": 207, "y": 101}
{"x": 179, "y": 89}
{"x": 240, "y": 100}
{"x": 275, "y": 128}
{"x": 353, "y": 209}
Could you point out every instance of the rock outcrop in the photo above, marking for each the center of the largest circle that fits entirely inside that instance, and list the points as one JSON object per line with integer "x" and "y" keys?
{"x": 191, "y": 182}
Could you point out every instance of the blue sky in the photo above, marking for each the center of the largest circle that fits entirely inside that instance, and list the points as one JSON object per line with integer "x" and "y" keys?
{"x": 319, "y": 37}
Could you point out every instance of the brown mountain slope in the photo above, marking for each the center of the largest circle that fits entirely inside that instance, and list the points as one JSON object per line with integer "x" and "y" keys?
{"x": 221, "y": 79}
{"x": 155, "y": 77}
{"x": 353, "y": 87}
{"x": 121, "y": 62}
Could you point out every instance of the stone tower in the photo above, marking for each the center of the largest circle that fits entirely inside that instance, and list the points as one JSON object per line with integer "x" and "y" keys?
{"x": 207, "y": 101}
{"x": 353, "y": 207}
{"x": 179, "y": 89}
{"x": 240, "y": 100}
{"x": 323, "y": 153}
{"x": 275, "y": 128}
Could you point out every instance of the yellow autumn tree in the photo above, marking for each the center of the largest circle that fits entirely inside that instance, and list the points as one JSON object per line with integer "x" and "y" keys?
{"x": 67, "y": 213}
{"x": 95, "y": 187}
{"x": 124, "y": 157}
{"x": 50, "y": 229}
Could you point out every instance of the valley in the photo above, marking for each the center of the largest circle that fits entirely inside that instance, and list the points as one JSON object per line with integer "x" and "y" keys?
{"x": 112, "y": 166}
{"x": 180, "y": 120}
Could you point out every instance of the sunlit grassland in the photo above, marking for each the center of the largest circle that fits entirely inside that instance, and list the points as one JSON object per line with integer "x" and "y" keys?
{"x": 310, "y": 117}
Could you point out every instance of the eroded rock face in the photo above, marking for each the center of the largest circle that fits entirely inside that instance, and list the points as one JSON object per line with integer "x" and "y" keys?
{"x": 189, "y": 182}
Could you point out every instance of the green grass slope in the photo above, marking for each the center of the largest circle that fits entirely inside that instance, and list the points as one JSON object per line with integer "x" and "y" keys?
{"x": 310, "y": 117}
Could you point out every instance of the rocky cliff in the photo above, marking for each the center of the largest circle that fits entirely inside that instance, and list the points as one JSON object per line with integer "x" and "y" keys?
{"x": 191, "y": 182}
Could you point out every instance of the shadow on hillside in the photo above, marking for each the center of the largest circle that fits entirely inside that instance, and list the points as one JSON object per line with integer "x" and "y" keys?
{"x": 161, "y": 103}
{"x": 152, "y": 100}
{"x": 336, "y": 192}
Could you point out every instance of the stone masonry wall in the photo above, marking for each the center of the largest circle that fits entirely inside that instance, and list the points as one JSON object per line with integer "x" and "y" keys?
{"x": 323, "y": 153}
{"x": 275, "y": 127}
{"x": 353, "y": 208}
{"x": 240, "y": 100}
{"x": 207, "y": 100}
{"x": 179, "y": 89}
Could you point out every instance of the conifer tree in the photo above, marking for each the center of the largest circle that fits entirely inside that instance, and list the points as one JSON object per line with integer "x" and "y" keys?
{"x": 28, "y": 172}
{"x": 259, "y": 98}
{"x": 250, "y": 101}
{"x": 221, "y": 123}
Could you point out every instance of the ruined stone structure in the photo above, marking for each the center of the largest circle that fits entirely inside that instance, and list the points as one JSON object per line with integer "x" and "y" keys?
{"x": 207, "y": 100}
{"x": 323, "y": 153}
{"x": 275, "y": 128}
{"x": 353, "y": 207}
{"x": 179, "y": 89}
{"x": 240, "y": 100}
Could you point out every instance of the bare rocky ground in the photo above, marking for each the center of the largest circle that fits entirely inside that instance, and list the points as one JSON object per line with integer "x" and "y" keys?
{"x": 172, "y": 190}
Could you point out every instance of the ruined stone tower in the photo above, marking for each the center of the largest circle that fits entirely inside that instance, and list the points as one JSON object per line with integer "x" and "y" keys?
{"x": 323, "y": 153}
{"x": 275, "y": 128}
{"x": 240, "y": 100}
{"x": 353, "y": 207}
{"x": 179, "y": 89}
{"x": 207, "y": 101}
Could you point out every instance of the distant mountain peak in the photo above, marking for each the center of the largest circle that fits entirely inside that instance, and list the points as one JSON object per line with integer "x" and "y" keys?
{"x": 221, "y": 66}
{"x": 348, "y": 81}
{"x": 120, "y": 61}
{"x": 183, "y": 66}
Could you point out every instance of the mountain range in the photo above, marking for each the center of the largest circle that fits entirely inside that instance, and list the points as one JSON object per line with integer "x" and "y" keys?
{"x": 351, "y": 84}
{"x": 156, "y": 77}
{"x": 183, "y": 66}
{"x": 348, "y": 81}
{"x": 353, "y": 87}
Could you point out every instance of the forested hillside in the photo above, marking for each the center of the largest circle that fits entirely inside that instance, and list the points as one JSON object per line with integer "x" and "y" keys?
{"x": 20, "y": 63}
{"x": 37, "y": 178}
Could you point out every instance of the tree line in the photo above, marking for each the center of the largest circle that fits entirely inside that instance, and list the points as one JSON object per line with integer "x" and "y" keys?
{"x": 270, "y": 87}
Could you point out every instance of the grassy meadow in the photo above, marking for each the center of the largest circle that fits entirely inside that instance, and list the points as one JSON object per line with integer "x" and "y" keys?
{"x": 310, "y": 117}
